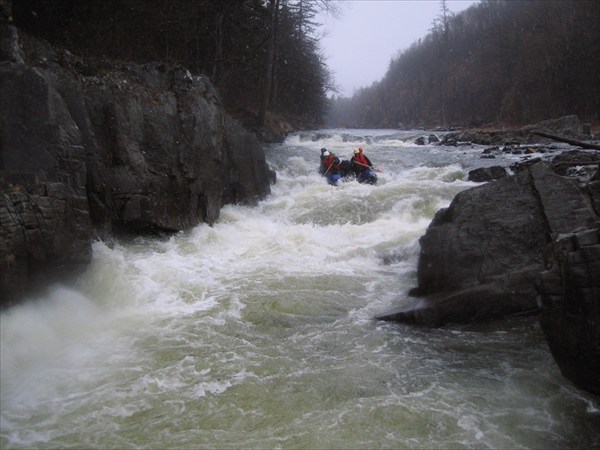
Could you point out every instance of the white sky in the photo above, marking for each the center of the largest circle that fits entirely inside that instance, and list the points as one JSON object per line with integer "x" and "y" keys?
{"x": 360, "y": 43}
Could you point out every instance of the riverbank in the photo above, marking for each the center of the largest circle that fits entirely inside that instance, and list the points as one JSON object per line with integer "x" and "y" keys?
{"x": 569, "y": 127}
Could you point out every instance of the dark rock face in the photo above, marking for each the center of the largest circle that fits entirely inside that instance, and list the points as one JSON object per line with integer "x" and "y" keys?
{"x": 571, "y": 307}
{"x": 88, "y": 148}
{"x": 487, "y": 174}
{"x": 481, "y": 257}
{"x": 44, "y": 236}
{"x": 526, "y": 243}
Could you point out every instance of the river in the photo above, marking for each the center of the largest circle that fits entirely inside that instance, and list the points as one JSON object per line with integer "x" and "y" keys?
{"x": 258, "y": 332}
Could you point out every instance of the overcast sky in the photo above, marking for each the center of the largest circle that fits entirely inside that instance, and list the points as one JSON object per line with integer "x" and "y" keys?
{"x": 359, "y": 43}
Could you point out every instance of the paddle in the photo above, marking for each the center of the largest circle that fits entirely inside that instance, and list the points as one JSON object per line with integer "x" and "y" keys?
{"x": 330, "y": 166}
{"x": 361, "y": 164}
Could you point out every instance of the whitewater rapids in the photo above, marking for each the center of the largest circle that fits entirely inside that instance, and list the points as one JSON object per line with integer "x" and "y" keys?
{"x": 257, "y": 332}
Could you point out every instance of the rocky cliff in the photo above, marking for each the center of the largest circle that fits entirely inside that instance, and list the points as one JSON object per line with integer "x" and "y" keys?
{"x": 91, "y": 147}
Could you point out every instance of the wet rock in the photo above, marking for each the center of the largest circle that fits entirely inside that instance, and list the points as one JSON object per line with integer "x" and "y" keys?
{"x": 491, "y": 150}
{"x": 473, "y": 264}
{"x": 524, "y": 164}
{"x": 88, "y": 149}
{"x": 520, "y": 245}
{"x": 487, "y": 174}
{"x": 569, "y": 126}
{"x": 564, "y": 163}
{"x": 492, "y": 238}
{"x": 570, "y": 290}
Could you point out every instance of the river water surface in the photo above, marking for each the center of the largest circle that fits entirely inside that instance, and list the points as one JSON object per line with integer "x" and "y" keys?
{"x": 258, "y": 332}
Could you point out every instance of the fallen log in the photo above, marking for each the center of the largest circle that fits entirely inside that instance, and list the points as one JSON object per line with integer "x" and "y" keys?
{"x": 567, "y": 140}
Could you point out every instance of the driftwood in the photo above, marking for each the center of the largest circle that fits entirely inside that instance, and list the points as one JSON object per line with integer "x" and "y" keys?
{"x": 567, "y": 140}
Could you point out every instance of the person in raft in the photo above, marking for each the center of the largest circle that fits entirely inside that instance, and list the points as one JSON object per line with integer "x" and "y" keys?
{"x": 322, "y": 167}
{"x": 332, "y": 168}
{"x": 362, "y": 167}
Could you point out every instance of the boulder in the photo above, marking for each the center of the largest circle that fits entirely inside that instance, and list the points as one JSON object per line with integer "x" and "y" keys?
{"x": 529, "y": 243}
{"x": 484, "y": 174}
{"x": 89, "y": 148}
{"x": 482, "y": 256}
{"x": 433, "y": 139}
{"x": 566, "y": 126}
{"x": 491, "y": 150}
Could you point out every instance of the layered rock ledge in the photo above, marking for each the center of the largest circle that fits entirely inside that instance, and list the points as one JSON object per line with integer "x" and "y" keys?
{"x": 567, "y": 126}
{"x": 89, "y": 148}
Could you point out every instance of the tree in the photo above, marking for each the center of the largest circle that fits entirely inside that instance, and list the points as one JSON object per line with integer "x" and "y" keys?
{"x": 274, "y": 13}
{"x": 237, "y": 43}
{"x": 498, "y": 62}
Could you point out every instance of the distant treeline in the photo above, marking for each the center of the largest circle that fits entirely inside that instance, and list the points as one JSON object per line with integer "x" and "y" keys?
{"x": 262, "y": 54}
{"x": 499, "y": 62}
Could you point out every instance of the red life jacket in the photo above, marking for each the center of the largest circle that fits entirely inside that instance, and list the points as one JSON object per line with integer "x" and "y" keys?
{"x": 330, "y": 163}
{"x": 362, "y": 161}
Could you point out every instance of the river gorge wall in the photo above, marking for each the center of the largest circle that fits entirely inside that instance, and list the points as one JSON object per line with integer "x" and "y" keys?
{"x": 90, "y": 148}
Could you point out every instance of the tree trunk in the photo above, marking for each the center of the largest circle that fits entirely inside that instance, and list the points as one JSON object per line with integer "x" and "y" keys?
{"x": 567, "y": 140}
{"x": 269, "y": 69}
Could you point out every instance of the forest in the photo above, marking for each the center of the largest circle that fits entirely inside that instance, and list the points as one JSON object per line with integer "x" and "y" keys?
{"x": 500, "y": 62}
{"x": 262, "y": 55}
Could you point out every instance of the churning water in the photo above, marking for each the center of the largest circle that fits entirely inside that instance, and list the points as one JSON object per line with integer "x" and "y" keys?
{"x": 257, "y": 332}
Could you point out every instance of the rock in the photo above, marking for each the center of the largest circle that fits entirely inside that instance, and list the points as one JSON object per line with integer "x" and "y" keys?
{"x": 43, "y": 237}
{"x": 449, "y": 140}
{"x": 491, "y": 150}
{"x": 481, "y": 257}
{"x": 421, "y": 140}
{"x": 570, "y": 319}
{"x": 524, "y": 164}
{"x": 567, "y": 126}
{"x": 487, "y": 174}
{"x": 469, "y": 269}
{"x": 88, "y": 149}
{"x": 526, "y": 243}
{"x": 564, "y": 163}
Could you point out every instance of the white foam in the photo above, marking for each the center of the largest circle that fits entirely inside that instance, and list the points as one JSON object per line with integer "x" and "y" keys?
{"x": 263, "y": 323}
